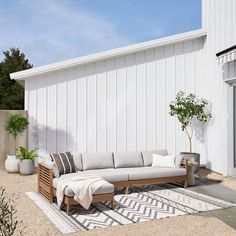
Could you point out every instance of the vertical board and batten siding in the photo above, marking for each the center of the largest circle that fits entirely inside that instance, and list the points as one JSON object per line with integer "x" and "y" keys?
{"x": 141, "y": 101}
{"x": 102, "y": 105}
{"x": 119, "y": 104}
{"x": 61, "y": 105}
{"x": 131, "y": 91}
{"x": 111, "y": 127}
{"x": 81, "y": 109}
{"x": 121, "y": 107}
{"x": 92, "y": 108}
{"x": 219, "y": 19}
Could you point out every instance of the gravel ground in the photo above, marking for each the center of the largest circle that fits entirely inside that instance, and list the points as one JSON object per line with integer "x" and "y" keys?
{"x": 34, "y": 222}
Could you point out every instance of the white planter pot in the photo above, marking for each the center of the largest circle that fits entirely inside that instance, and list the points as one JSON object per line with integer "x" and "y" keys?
{"x": 12, "y": 164}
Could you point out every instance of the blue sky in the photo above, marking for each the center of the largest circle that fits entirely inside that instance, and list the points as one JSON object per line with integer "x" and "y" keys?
{"x": 52, "y": 30}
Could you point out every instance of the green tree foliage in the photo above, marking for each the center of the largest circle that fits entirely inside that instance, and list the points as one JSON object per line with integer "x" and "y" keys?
{"x": 11, "y": 93}
{"x": 16, "y": 124}
{"x": 186, "y": 108}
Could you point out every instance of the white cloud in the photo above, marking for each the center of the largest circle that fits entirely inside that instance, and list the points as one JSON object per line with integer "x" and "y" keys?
{"x": 48, "y": 31}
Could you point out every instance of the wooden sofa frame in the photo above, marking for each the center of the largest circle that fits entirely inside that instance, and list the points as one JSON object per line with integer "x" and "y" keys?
{"x": 45, "y": 187}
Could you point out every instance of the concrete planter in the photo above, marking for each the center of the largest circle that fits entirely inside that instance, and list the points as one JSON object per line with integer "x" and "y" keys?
{"x": 27, "y": 167}
{"x": 194, "y": 156}
{"x": 12, "y": 164}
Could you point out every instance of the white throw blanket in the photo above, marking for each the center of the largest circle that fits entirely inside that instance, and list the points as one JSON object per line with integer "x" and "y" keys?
{"x": 83, "y": 188}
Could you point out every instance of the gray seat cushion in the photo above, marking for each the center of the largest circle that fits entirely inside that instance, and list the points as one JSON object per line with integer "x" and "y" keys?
{"x": 93, "y": 161}
{"x": 128, "y": 159}
{"x": 77, "y": 160}
{"x": 110, "y": 175}
{"x": 152, "y": 172}
{"x": 106, "y": 188}
{"x": 147, "y": 155}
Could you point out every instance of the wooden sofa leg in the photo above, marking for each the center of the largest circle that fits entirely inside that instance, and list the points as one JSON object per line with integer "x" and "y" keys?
{"x": 68, "y": 209}
{"x": 112, "y": 204}
{"x": 186, "y": 183}
{"x": 126, "y": 190}
{"x": 51, "y": 199}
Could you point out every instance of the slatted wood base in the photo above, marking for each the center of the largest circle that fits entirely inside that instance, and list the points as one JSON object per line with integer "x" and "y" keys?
{"x": 45, "y": 177}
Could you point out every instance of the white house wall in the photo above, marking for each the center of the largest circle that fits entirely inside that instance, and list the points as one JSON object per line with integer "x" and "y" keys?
{"x": 121, "y": 104}
{"x": 219, "y": 19}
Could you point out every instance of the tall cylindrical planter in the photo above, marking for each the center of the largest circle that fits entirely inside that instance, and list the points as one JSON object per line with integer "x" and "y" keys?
{"x": 194, "y": 156}
{"x": 12, "y": 164}
{"x": 27, "y": 167}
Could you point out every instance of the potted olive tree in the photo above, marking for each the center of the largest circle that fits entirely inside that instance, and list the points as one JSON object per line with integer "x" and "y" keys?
{"x": 187, "y": 108}
{"x": 15, "y": 125}
{"x": 26, "y": 158}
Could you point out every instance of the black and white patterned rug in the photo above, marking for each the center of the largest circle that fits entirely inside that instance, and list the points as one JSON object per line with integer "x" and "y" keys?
{"x": 142, "y": 204}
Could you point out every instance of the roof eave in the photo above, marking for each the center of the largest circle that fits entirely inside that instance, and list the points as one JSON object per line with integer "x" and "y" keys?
{"x": 227, "y": 50}
{"x": 25, "y": 74}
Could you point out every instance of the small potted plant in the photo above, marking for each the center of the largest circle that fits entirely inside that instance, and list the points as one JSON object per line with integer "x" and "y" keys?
{"x": 187, "y": 108}
{"x": 15, "y": 125}
{"x": 26, "y": 158}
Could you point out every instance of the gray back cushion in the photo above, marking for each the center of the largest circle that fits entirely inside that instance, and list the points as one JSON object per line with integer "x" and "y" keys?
{"x": 147, "y": 155}
{"x": 128, "y": 159}
{"x": 77, "y": 160}
{"x": 92, "y": 161}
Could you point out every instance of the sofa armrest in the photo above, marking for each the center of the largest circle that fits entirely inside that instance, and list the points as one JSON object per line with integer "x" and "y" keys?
{"x": 45, "y": 177}
{"x": 185, "y": 164}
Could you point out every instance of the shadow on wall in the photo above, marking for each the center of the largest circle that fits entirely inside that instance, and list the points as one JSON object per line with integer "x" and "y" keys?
{"x": 48, "y": 140}
{"x": 200, "y": 130}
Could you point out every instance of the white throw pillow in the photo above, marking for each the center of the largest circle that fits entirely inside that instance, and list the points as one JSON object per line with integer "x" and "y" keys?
{"x": 45, "y": 159}
{"x": 163, "y": 161}
{"x": 178, "y": 160}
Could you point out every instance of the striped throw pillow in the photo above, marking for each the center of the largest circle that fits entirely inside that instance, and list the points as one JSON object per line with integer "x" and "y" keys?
{"x": 65, "y": 162}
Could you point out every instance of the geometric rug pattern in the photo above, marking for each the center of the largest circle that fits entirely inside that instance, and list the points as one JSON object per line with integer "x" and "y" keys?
{"x": 141, "y": 204}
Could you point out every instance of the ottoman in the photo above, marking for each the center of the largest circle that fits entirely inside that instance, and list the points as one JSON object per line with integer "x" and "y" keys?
{"x": 104, "y": 193}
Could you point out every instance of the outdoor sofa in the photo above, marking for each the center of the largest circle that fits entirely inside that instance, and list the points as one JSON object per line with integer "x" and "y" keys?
{"x": 120, "y": 169}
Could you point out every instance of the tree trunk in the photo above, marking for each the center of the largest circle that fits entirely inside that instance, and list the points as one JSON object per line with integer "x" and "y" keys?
{"x": 15, "y": 144}
{"x": 190, "y": 144}
{"x": 189, "y": 139}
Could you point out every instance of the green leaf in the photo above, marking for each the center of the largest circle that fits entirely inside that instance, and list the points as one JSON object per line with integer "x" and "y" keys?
{"x": 16, "y": 124}
{"x": 24, "y": 153}
{"x": 12, "y": 93}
